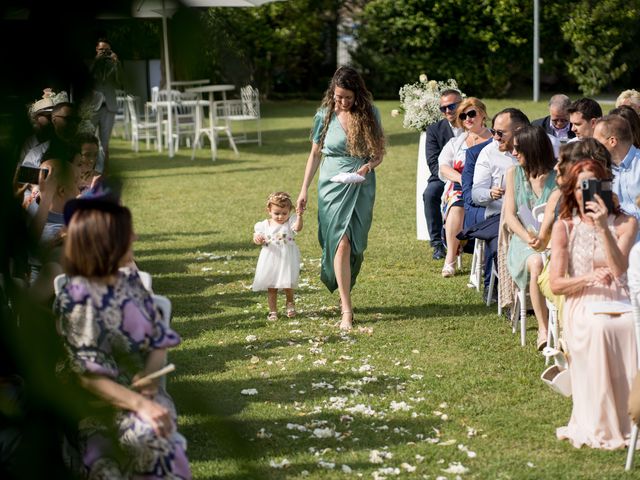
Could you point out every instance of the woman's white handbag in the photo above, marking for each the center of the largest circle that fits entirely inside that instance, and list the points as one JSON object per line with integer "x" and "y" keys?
{"x": 557, "y": 376}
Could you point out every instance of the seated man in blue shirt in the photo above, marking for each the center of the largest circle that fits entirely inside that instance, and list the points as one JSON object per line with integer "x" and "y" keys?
{"x": 614, "y": 132}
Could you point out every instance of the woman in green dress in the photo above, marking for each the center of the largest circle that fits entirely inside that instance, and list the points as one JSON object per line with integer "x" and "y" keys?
{"x": 347, "y": 136}
{"x": 529, "y": 184}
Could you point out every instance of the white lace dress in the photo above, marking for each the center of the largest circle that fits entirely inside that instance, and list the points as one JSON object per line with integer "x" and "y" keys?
{"x": 279, "y": 260}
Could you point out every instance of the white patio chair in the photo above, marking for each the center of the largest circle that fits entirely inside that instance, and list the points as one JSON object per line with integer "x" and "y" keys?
{"x": 184, "y": 119}
{"x": 246, "y": 109}
{"x": 633, "y": 274}
{"x": 150, "y": 127}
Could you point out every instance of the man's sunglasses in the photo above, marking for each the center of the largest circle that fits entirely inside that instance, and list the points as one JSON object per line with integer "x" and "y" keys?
{"x": 498, "y": 133}
{"x": 471, "y": 114}
{"x": 451, "y": 107}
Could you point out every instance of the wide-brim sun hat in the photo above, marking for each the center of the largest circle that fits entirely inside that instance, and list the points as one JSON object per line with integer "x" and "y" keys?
{"x": 102, "y": 196}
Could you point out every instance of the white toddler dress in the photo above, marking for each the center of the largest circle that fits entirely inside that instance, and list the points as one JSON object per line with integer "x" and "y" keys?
{"x": 279, "y": 261}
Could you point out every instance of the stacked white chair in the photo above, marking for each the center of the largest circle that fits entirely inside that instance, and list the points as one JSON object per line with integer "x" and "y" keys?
{"x": 247, "y": 109}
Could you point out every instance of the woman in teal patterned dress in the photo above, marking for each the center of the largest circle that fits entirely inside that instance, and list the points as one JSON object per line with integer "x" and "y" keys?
{"x": 347, "y": 136}
{"x": 529, "y": 184}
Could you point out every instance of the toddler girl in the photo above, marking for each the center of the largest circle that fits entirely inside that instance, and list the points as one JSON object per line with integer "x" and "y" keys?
{"x": 279, "y": 262}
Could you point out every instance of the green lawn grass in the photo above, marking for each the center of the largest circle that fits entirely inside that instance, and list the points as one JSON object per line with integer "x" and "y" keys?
{"x": 418, "y": 338}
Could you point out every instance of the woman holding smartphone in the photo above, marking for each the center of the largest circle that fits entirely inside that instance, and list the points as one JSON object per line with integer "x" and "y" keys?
{"x": 590, "y": 248}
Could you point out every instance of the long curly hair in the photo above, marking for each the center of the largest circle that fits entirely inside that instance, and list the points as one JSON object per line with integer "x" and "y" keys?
{"x": 365, "y": 138}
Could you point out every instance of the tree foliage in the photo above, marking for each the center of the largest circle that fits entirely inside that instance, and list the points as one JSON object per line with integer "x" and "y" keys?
{"x": 473, "y": 42}
{"x": 597, "y": 31}
{"x": 487, "y": 45}
{"x": 280, "y": 47}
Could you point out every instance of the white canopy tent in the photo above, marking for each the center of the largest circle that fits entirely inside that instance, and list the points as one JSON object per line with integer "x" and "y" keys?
{"x": 165, "y": 9}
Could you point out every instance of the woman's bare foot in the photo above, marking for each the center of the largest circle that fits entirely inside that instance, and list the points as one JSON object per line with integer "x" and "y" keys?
{"x": 346, "y": 323}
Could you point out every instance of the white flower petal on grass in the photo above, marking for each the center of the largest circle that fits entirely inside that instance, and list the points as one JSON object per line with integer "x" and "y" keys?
{"x": 443, "y": 405}
{"x": 326, "y": 385}
{"x": 530, "y": 465}
{"x": 447, "y": 443}
{"x": 346, "y": 469}
{"x": 463, "y": 448}
{"x": 402, "y": 406}
{"x": 262, "y": 433}
{"x": 254, "y": 359}
{"x": 323, "y": 432}
{"x": 416, "y": 376}
{"x": 456, "y": 467}
{"x": 249, "y": 391}
{"x": 471, "y": 432}
{"x": 282, "y": 464}
{"x": 295, "y": 426}
{"x": 327, "y": 465}
{"x": 408, "y": 468}
{"x": 395, "y": 471}
{"x": 419, "y": 458}
{"x": 206, "y": 269}
{"x": 251, "y": 338}
{"x": 295, "y": 331}
{"x": 362, "y": 408}
{"x": 322, "y": 361}
{"x": 379, "y": 456}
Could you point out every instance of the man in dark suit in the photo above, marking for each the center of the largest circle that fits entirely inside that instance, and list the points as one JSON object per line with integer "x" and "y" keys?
{"x": 557, "y": 122}
{"x": 438, "y": 135}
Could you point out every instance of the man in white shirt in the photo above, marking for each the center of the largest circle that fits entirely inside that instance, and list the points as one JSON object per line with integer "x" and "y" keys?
{"x": 488, "y": 178}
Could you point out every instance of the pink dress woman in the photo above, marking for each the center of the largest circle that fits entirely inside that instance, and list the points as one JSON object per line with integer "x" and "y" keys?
{"x": 602, "y": 348}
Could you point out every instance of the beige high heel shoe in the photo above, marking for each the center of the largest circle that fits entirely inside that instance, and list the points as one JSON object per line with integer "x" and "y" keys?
{"x": 449, "y": 269}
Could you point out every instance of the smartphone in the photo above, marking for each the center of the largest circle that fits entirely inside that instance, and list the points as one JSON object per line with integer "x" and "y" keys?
{"x": 27, "y": 174}
{"x": 593, "y": 186}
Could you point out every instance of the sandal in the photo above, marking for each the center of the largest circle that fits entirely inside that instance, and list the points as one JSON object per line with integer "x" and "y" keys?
{"x": 273, "y": 316}
{"x": 449, "y": 269}
{"x": 291, "y": 310}
{"x": 346, "y": 325}
{"x": 541, "y": 342}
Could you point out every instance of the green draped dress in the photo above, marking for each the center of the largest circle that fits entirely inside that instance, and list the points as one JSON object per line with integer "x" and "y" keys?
{"x": 343, "y": 208}
{"x": 519, "y": 251}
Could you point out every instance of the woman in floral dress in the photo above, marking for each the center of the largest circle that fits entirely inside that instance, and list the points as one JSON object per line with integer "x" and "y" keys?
{"x": 114, "y": 335}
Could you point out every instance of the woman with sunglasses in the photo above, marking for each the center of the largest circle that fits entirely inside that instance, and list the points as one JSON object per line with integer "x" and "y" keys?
{"x": 528, "y": 185}
{"x": 470, "y": 116}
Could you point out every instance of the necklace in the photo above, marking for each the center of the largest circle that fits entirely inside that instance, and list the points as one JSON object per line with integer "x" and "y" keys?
{"x": 476, "y": 137}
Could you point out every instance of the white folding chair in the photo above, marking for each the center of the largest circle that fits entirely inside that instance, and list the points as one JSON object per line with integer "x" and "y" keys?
{"x": 477, "y": 262}
{"x": 145, "y": 278}
{"x": 492, "y": 284}
{"x": 59, "y": 282}
{"x": 633, "y": 274}
{"x": 164, "y": 307}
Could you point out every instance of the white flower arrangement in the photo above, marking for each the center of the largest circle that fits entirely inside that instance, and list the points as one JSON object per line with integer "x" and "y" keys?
{"x": 420, "y": 102}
